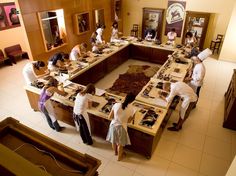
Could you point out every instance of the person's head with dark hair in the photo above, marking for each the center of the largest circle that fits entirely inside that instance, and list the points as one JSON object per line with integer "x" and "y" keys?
{"x": 56, "y": 57}
{"x": 89, "y": 89}
{"x": 115, "y": 25}
{"x": 189, "y": 35}
{"x": 39, "y": 64}
{"x": 130, "y": 97}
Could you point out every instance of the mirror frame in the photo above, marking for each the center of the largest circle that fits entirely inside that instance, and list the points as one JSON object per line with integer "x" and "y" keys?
{"x": 61, "y": 26}
{"x": 95, "y": 21}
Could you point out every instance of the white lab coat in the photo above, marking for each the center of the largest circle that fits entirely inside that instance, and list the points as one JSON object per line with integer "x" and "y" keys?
{"x": 28, "y": 73}
{"x": 198, "y": 75}
{"x": 99, "y": 36}
{"x": 114, "y": 35}
{"x": 185, "y": 92}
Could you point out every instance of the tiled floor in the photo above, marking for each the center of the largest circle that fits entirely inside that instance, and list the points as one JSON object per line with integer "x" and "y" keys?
{"x": 201, "y": 148}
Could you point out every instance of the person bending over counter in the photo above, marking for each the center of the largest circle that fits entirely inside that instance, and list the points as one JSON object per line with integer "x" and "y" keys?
{"x": 83, "y": 101}
{"x": 121, "y": 114}
{"x": 45, "y": 105}
{"x": 188, "y": 98}
{"x": 78, "y": 51}
{"x": 56, "y": 62}
{"x": 31, "y": 71}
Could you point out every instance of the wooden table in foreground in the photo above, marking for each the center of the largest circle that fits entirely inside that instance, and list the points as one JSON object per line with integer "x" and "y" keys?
{"x": 25, "y": 152}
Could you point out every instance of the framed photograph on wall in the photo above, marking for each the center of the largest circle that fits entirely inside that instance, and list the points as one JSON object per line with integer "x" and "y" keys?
{"x": 8, "y": 16}
{"x": 81, "y": 23}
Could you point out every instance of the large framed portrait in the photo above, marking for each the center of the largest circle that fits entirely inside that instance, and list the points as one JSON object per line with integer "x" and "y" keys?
{"x": 9, "y": 16}
{"x": 81, "y": 23}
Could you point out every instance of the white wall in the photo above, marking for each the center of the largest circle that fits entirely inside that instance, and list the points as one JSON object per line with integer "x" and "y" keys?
{"x": 228, "y": 51}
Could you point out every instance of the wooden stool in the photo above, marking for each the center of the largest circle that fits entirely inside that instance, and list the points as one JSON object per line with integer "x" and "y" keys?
{"x": 215, "y": 44}
{"x": 134, "y": 31}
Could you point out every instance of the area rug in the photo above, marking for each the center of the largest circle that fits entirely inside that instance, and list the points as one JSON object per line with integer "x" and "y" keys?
{"x": 133, "y": 80}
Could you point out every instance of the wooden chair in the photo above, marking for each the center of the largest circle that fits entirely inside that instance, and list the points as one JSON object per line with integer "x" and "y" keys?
{"x": 215, "y": 44}
{"x": 134, "y": 30}
{"x": 15, "y": 51}
{"x": 4, "y": 59}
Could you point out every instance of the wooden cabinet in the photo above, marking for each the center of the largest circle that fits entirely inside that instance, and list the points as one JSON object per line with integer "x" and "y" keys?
{"x": 197, "y": 23}
{"x": 155, "y": 55}
{"x": 141, "y": 52}
{"x": 159, "y": 56}
{"x": 24, "y": 151}
{"x": 98, "y": 71}
{"x": 230, "y": 104}
{"x": 63, "y": 113}
{"x": 99, "y": 126}
{"x": 33, "y": 100}
{"x": 152, "y": 22}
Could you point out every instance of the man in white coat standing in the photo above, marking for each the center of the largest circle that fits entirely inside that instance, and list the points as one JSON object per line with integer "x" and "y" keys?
{"x": 196, "y": 79}
{"x": 188, "y": 100}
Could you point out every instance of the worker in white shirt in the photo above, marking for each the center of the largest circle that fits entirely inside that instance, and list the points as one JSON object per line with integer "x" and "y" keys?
{"x": 31, "y": 71}
{"x": 196, "y": 79}
{"x": 78, "y": 51}
{"x": 188, "y": 98}
{"x": 100, "y": 33}
{"x": 171, "y": 36}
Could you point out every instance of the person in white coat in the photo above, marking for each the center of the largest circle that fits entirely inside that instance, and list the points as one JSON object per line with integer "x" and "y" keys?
{"x": 188, "y": 98}
{"x": 100, "y": 34}
{"x": 121, "y": 114}
{"x": 78, "y": 51}
{"x": 31, "y": 69}
{"x": 114, "y": 32}
{"x": 199, "y": 70}
{"x": 171, "y": 36}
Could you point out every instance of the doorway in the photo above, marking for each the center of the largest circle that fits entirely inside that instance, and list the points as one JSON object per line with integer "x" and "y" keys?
{"x": 197, "y": 23}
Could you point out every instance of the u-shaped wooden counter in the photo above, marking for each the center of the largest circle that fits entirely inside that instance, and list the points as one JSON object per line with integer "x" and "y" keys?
{"x": 143, "y": 138}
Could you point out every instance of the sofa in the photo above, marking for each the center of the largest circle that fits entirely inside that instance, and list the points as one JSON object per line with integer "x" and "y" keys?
{"x": 14, "y": 52}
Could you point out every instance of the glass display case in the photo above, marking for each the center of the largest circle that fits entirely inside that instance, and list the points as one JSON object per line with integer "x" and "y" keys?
{"x": 152, "y": 23}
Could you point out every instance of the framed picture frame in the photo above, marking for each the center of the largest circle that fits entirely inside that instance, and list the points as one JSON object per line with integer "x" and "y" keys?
{"x": 8, "y": 16}
{"x": 81, "y": 23}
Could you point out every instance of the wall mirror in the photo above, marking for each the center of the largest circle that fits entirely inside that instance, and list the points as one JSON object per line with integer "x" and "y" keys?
{"x": 81, "y": 23}
{"x": 99, "y": 17}
{"x": 53, "y": 28}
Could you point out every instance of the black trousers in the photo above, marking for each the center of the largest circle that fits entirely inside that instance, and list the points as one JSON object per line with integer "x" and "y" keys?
{"x": 83, "y": 128}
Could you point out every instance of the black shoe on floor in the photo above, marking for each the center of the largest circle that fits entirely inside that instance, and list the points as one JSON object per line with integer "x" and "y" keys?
{"x": 175, "y": 125}
{"x": 172, "y": 128}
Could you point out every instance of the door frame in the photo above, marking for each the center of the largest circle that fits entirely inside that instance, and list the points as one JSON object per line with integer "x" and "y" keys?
{"x": 204, "y": 31}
